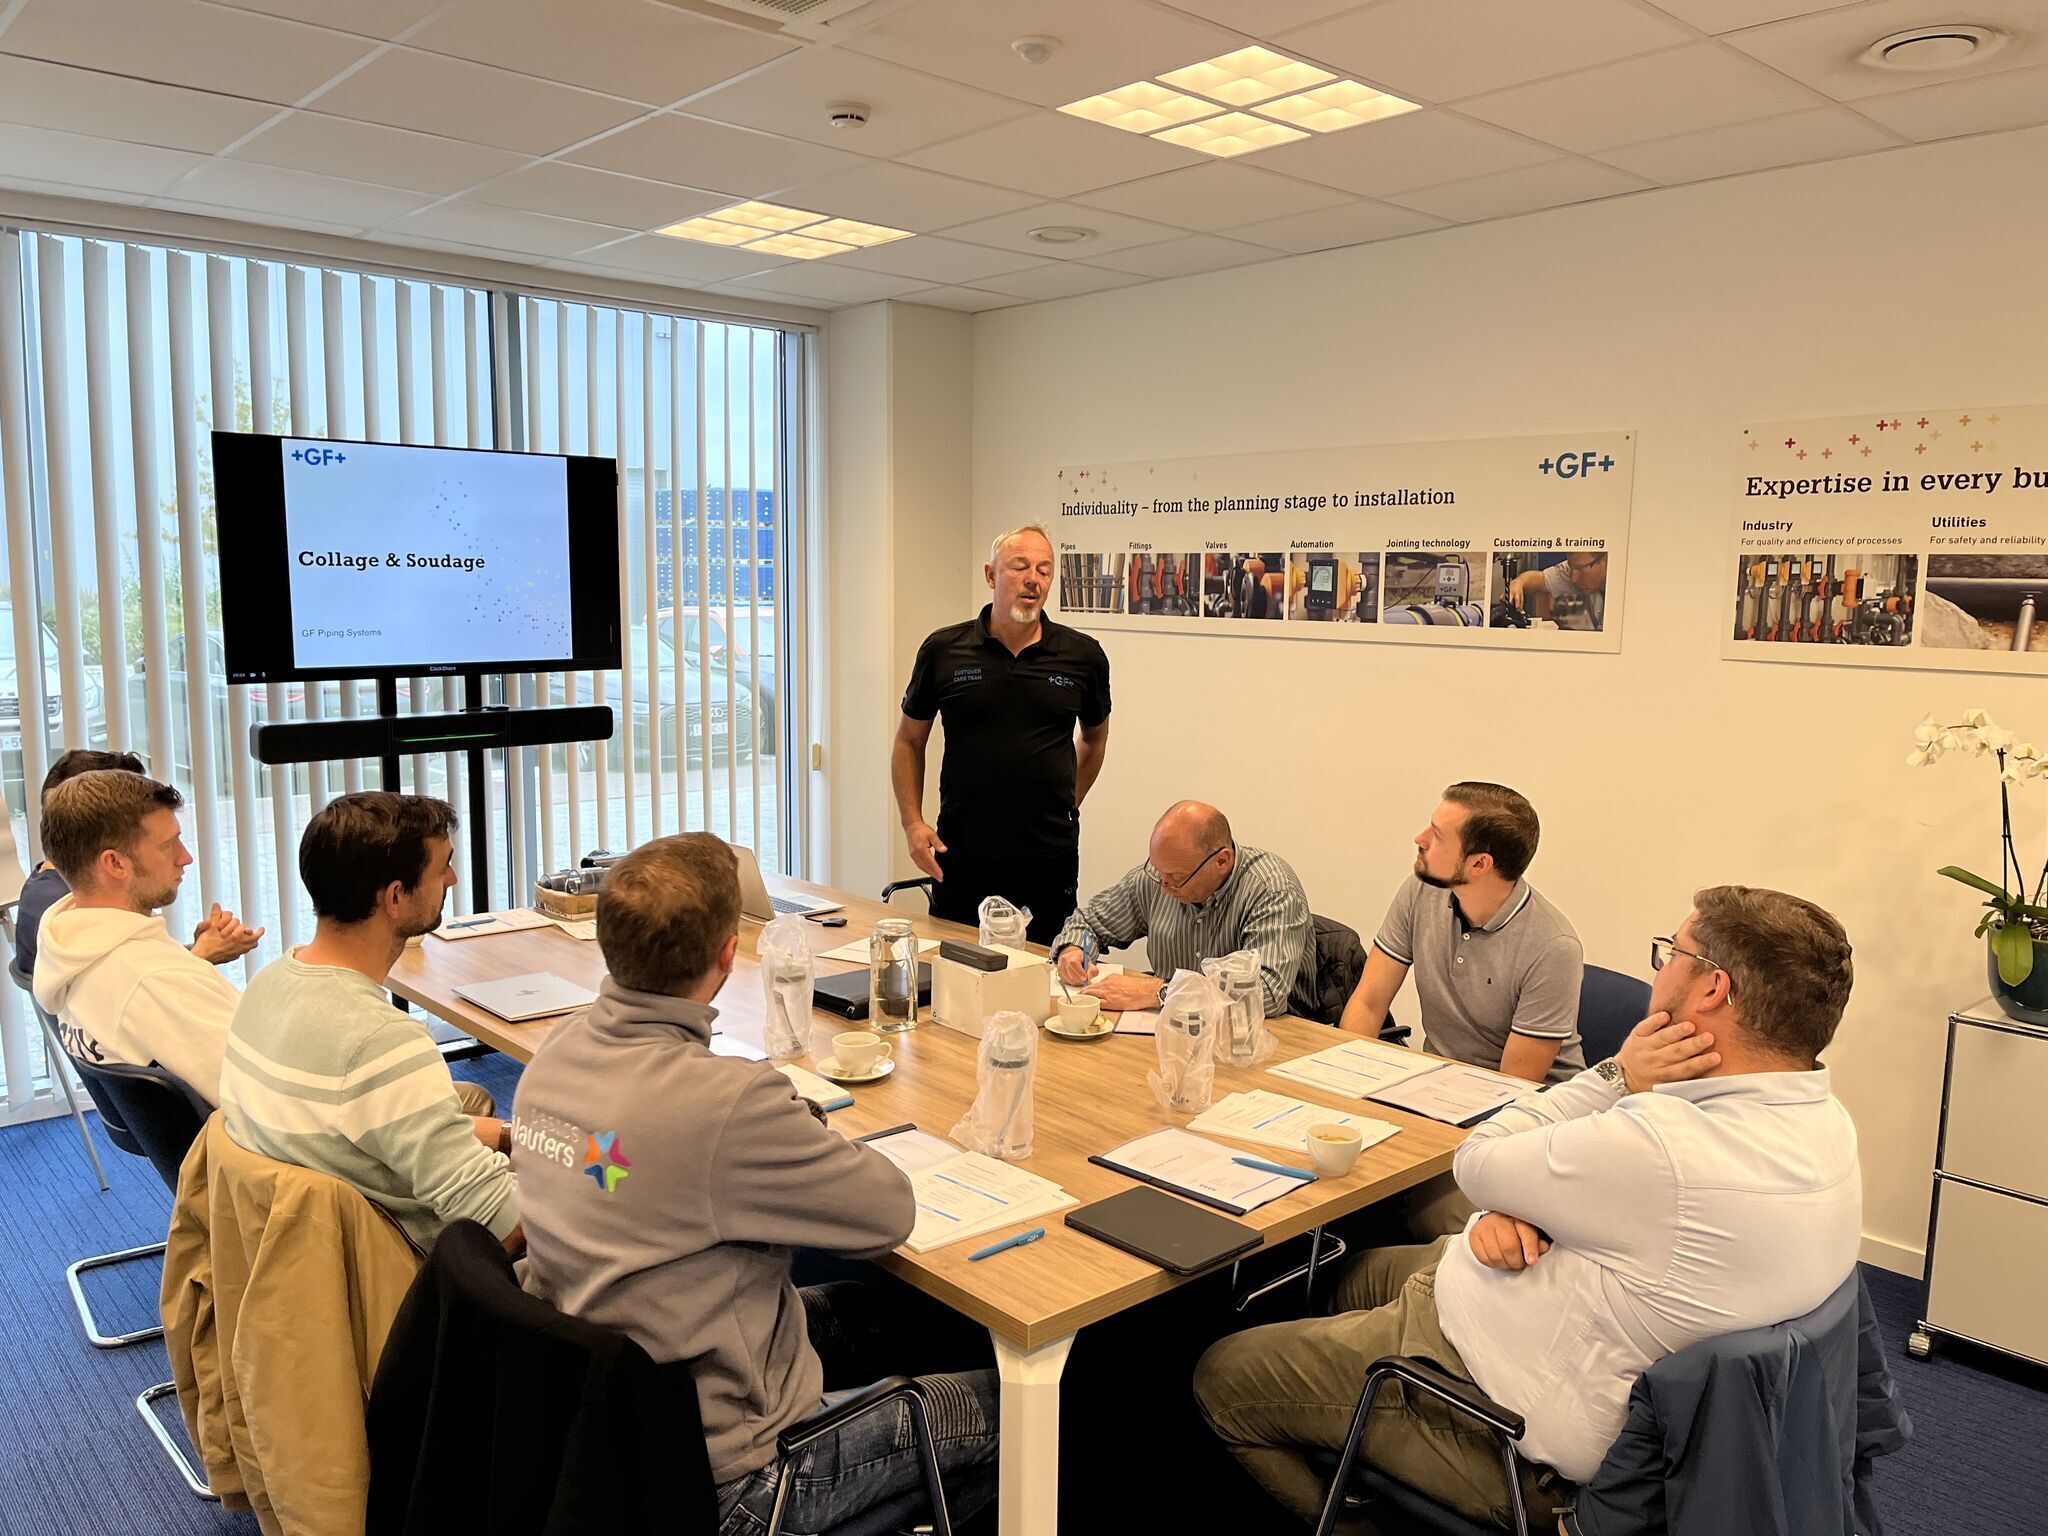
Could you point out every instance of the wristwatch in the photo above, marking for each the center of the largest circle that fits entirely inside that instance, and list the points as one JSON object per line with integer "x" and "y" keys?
{"x": 505, "y": 1138}
{"x": 1161, "y": 1003}
{"x": 1611, "y": 1074}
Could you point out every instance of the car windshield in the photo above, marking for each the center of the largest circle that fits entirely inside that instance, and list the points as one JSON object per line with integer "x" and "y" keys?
{"x": 7, "y": 640}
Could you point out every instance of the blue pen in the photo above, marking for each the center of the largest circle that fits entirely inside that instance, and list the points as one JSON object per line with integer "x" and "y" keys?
{"x": 1265, "y": 1167}
{"x": 1088, "y": 948}
{"x": 839, "y": 1103}
{"x": 1009, "y": 1242}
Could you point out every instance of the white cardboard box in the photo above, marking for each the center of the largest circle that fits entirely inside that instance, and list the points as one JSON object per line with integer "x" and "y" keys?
{"x": 964, "y": 998}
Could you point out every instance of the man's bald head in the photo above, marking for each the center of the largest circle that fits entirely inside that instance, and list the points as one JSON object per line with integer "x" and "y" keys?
{"x": 1192, "y": 825}
{"x": 1192, "y": 852}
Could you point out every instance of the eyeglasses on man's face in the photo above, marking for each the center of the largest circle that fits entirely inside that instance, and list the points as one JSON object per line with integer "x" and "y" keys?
{"x": 1661, "y": 951}
{"x": 1178, "y": 882}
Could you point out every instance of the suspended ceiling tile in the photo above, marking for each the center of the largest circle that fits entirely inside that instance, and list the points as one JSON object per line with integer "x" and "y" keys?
{"x": 1210, "y": 197}
{"x": 1524, "y": 191}
{"x": 1442, "y": 50}
{"x": 392, "y": 157}
{"x": 1327, "y": 228}
{"x": 1416, "y": 149}
{"x": 1989, "y": 104}
{"x": 677, "y": 260}
{"x": 405, "y": 88}
{"x": 1183, "y": 258}
{"x": 1824, "y": 51}
{"x": 369, "y": 18}
{"x": 1054, "y": 156}
{"x": 104, "y": 106}
{"x": 502, "y": 229}
{"x": 1061, "y": 280}
{"x": 1264, "y": 18}
{"x": 567, "y": 191}
{"x": 184, "y": 42}
{"x": 904, "y": 197}
{"x": 81, "y": 162}
{"x": 1825, "y": 133}
{"x": 1103, "y": 44}
{"x": 691, "y": 152}
{"x": 1733, "y": 15}
{"x": 972, "y": 300}
{"x": 1682, "y": 91}
{"x": 828, "y": 282}
{"x": 935, "y": 259}
{"x": 642, "y": 51}
{"x": 267, "y": 189}
{"x": 1110, "y": 232}
{"x": 907, "y": 110}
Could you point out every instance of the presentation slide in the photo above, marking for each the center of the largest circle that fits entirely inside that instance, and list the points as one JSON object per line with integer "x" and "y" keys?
{"x": 418, "y": 556}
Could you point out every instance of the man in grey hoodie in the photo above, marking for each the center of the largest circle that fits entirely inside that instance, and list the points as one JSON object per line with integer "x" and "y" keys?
{"x": 663, "y": 1187}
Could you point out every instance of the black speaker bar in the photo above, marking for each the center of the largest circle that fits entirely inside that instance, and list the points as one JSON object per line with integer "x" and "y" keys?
{"x": 320, "y": 741}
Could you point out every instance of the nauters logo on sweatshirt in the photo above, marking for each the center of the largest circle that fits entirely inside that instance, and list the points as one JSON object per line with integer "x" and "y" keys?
{"x": 605, "y": 1160}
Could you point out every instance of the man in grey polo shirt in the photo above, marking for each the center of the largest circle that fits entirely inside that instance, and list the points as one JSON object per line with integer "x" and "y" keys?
{"x": 1199, "y": 895}
{"x": 1496, "y": 966}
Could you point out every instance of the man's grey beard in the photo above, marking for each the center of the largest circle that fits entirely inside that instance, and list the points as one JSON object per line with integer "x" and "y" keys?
{"x": 1020, "y": 615}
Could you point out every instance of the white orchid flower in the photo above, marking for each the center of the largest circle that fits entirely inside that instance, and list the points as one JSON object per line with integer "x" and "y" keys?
{"x": 1973, "y": 741}
{"x": 1974, "y": 717}
{"x": 1995, "y": 738}
{"x": 1919, "y": 757}
{"x": 2026, "y": 750}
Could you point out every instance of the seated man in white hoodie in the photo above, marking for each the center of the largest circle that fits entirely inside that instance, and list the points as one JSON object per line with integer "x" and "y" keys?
{"x": 122, "y": 989}
{"x": 1701, "y": 1182}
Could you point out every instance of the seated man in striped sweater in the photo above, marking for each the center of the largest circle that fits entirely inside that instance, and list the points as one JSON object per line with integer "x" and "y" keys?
{"x": 322, "y": 1071}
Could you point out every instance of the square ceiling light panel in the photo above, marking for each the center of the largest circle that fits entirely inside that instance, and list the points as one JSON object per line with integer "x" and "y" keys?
{"x": 780, "y": 231}
{"x": 1278, "y": 100}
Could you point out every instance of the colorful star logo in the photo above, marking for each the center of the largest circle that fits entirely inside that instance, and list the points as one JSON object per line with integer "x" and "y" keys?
{"x": 605, "y": 1160}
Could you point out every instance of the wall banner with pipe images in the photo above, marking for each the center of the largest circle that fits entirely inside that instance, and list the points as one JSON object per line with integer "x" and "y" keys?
{"x": 1515, "y": 542}
{"x": 1899, "y": 538}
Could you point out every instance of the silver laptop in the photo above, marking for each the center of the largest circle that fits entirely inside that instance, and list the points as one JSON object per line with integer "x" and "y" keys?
{"x": 519, "y": 998}
{"x": 755, "y": 902}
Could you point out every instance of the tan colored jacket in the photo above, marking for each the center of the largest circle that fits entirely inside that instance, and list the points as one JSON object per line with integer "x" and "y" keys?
{"x": 280, "y": 1285}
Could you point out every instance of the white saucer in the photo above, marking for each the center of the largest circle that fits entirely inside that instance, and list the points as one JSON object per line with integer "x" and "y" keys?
{"x": 830, "y": 1068}
{"x": 1053, "y": 1026}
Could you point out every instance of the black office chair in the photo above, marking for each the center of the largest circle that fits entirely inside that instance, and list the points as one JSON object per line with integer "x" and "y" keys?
{"x": 1610, "y": 1005}
{"x": 923, "y": 883}
{"x": 162, "y": 1116}
{"x": 53, "y": 1054}
{"x": 589, "y": 1396}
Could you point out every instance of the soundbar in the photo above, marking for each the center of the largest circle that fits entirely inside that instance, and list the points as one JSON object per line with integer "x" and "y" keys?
{"x": 390, "y": 736}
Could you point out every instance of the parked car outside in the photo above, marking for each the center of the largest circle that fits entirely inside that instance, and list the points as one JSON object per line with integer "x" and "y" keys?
{"x": 737, "y": 731}
{"x": 752, "y": 661}
{"x": 93, "y": 717}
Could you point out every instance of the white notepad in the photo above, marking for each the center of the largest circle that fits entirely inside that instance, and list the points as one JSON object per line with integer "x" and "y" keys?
{"x": 1448, "y": 1091}
{"x": 963, "y": 1194}
{"x": 1195, "y": 1166}
{"x": 1358, "y": 1068}
{"x": 533, "y": 996}
{"x": 480, "y": 925}
{"x": 1275, "y": 1120}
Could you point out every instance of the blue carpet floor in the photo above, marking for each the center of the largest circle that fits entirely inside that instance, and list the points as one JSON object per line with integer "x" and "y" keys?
{"x": 76, "y": 1461}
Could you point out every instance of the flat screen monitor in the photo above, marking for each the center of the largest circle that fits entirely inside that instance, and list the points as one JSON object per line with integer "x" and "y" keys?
{"x": 348, "y": 560}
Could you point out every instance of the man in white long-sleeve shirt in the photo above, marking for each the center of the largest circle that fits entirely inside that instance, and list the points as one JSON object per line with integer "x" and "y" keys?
{"x": 1701, "y": 1182}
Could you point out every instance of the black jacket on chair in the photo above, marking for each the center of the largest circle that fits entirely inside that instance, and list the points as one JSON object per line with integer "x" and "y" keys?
{"x": 494, "y": 1412}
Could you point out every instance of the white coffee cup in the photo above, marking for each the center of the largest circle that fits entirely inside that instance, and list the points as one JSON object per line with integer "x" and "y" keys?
{"x": 1080, "y": 1015}
{"x": 856, "y": 1051}
{"x": 1333, "y": 1148}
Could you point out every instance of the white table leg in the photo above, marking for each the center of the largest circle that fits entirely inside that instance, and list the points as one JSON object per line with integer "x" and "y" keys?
{"x": 1028, "y": 1495}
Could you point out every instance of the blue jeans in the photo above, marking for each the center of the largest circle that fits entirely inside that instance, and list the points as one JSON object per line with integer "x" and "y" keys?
{"x": 874, "y": 1458}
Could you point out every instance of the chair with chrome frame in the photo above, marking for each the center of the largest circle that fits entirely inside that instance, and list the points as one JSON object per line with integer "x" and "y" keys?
{"x": 923, "y": 883}
{"x": 162, "y": 1116}
{"x": 597, "y": 1397}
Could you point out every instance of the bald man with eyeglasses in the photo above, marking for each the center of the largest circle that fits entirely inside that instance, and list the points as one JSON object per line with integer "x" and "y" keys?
{"x": 1198, "y": 896}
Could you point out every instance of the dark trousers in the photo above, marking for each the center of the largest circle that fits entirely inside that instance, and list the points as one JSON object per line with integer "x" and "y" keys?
{"x": 1045, "y": 883}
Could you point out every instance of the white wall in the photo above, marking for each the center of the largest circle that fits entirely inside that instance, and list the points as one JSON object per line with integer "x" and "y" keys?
{"x": 1908, "y": 279}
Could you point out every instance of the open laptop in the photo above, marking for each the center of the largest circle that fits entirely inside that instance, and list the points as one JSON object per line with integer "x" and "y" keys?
{"x": 755, "y": 902}
{"x": 519, "y": 998}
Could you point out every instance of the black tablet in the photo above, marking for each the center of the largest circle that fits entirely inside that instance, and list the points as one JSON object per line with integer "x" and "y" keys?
{"x": 1170, "y": 1232}
{"x": 846, "y": 994}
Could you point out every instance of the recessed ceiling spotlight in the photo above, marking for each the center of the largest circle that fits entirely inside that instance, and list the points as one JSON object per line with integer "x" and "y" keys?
{"x": 1925, "y": 49}
{"x": 1035, "y": 50}
{"x": 1060, "y": 234}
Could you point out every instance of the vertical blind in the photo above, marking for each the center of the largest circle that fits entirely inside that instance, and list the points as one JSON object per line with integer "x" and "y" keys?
{"x": 116, "y": 361}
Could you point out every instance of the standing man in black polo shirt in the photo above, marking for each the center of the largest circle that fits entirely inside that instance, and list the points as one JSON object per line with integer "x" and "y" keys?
{"x": 1014, "y": 687}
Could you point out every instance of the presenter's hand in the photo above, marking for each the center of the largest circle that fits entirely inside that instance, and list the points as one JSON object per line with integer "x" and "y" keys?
{"x": 1074, "y": 968}
{"x": 222, "y": 937}
{"x": 1121, "y": 992}
{"x": 925, "y": 848}
{"x": 1518, "y": 591}
{"x": 1502, "y": 1242}
{"x": 1664, "y": 1050}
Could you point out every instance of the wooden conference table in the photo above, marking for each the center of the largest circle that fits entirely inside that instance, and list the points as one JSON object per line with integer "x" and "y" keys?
{"x": 1091, "y": 1096}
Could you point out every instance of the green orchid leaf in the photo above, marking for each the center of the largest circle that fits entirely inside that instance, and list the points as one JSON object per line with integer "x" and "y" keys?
{"x": 2013, "y": 945}
{"x": 1976, "y": 881}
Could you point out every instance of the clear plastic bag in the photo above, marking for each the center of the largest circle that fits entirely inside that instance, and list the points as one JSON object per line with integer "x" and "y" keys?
{"x": 1243, "y": 1039}
{"x": 1003, "y": 922}
{"x": 1186, "y": 1037}
{"x": 999, "y": 1123}
{"x": 786, "y": 975}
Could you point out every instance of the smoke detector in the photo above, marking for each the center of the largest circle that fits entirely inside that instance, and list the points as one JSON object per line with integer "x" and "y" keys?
{"x": 1923, "y": 50}
{"x": 1060, "y": 234}
{"x": 1035, "y": 50}
{"x": 847, "y": 115}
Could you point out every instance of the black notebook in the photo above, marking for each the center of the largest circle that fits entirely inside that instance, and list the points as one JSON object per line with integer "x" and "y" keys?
{"x": 1169, "y": 1232}
{"x": 846, "y": 994}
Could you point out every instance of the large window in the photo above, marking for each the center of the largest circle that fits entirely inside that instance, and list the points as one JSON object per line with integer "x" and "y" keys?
{"x": 116, "y": 361}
